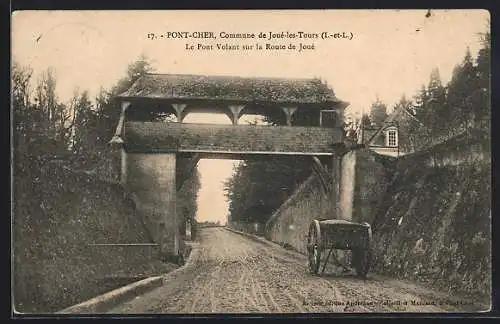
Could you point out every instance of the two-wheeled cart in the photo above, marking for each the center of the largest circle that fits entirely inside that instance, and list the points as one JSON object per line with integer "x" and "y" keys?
{"x": 328, "y": 235}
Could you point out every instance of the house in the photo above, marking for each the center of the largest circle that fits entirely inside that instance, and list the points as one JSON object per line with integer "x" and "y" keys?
{"x": 397, "y": 136}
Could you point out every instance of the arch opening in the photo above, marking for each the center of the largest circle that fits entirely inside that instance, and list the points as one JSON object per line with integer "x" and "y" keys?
{"x": 150, "y": 112}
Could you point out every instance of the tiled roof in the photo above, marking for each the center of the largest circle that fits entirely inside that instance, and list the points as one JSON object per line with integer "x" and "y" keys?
{"x": 273, "y": 90}
{"x": 387, "y": 122}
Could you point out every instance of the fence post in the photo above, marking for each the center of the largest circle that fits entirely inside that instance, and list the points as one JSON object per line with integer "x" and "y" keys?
{"x": 161, "y": 236}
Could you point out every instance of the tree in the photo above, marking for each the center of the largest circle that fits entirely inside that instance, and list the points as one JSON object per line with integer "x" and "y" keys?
{"x": 483, "y": 107}
{"x": 378, "y": 113}
{"x": 99, "y": 121}
{"x": 460, "y": 105}
{"x": 353, "y": 124}
{"x": 462, "y": 88}
{"x": 413, "y": 134}
{"x": 259, "y": 187}
{"x": 55, "y": 116}
{"x": 365, "y": 120}
{"x": 135, "y": 70}
{"x": 84, "y": 141}
{"x": 108, "y": 107}
{"x": 42, "y": 130}
{"x": 436, "y": 110}
{"x": 187, "y": 201}
{"x": 24, "y": 117}
{"x": 419, "y": 107}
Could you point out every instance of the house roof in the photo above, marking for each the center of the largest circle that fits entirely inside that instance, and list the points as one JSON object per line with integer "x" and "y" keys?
{"x": 399, "y": 111}
{"x": 244, "y": 89}
{"x": 368, "y": 133}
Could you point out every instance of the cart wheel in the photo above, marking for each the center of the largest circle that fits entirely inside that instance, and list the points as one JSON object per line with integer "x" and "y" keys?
{"x": 362, "y": 261}
{"x": 314, "y": 247}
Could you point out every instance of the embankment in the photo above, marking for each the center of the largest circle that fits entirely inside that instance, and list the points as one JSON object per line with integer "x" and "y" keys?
{"x": 430, "y": 212}
{"x": 58, "y": 215}
{"x": 363, "y": 181}
{"x": 434, "y": 222}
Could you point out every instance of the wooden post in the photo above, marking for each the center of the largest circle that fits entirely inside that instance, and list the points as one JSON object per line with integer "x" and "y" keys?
{"x": 124, "y": 166}
{"x": 189, "y": 230}
{"x": 161, "y": 238}
{"x": 340, "y": 117}
{"x": 117, "y": 138}
{"x": 235, "y": 111}
{"x": 289, "y": 111}
{"x": 336, "y": 178}
{"x": 179, "y": 110}
{"x": 322, "y": 173}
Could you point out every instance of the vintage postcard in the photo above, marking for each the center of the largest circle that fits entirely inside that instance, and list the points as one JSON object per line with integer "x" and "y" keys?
{"x": 251, "y": 162}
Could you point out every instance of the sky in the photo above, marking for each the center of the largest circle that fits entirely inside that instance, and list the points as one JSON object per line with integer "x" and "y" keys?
{"x": 391, "y": 52}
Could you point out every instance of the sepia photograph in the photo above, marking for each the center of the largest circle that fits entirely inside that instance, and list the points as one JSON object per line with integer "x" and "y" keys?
{"x": 250, "y": 162}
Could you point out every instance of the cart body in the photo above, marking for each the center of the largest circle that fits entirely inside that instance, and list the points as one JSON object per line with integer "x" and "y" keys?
{"x": 334, "y": 234}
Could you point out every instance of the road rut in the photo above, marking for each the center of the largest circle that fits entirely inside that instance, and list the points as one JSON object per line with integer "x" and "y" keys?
{"x": 235, "y": 274}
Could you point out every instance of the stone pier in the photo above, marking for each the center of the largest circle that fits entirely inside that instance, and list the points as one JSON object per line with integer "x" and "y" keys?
{"x": 151, "y": 178}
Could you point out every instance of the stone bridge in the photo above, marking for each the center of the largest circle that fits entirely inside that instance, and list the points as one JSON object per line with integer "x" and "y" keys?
{"x": 159, "y": 151}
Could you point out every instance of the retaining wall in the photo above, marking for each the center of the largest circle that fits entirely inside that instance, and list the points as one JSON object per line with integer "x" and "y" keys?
{"x": 362, "y": 182}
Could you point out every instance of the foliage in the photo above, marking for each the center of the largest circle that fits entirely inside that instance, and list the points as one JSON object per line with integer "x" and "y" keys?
{"x": 447, "y": 207}
{"x": 257, "y": 188}
{"x": 378, "y": 113}
{"x": 186, "y": 197}
{"x": 75, "y": 134}
{"x": 439, "y": 111}
{"x": 85, "y": 124}
{"x": 55, "y": 205}
{"x": 40, "y": 120}
{"x": 109, "y": 107}
{"x": 353, "y": 125}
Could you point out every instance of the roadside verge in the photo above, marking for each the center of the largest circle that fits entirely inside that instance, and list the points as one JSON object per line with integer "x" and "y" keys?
{"x": 112, "y": 298}
{"x": 101, "y": 303}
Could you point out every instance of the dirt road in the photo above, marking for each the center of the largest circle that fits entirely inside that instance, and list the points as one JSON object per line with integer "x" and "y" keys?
{"x": 231, "y": 273}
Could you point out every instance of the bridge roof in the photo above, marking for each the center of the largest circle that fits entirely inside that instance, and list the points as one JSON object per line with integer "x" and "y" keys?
{"x": 231, "y": 88}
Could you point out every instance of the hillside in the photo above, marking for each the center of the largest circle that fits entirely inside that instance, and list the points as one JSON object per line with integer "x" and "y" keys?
{"x": 57, "y": 214}
{"x": 433, "y": 224}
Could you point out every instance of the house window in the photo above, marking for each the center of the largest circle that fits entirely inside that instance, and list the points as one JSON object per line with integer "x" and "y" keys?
{"x": 328, "y": 118}
{"x": 392, "y": 138}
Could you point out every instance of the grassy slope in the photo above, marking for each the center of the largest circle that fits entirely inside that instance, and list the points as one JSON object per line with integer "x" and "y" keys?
{"x": 57, "y": 214}
{"x": 446, "y": 208}
{"x": 434, "y": 223}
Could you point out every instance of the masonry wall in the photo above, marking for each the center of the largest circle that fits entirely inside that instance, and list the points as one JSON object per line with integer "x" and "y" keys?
{"x": 156, "y": 136}
{"x": 252, "y": 228}
{"x": 291, "y": 222}
{"x": 150, "y": 180}
{"x": 362, "y": 181}
{"x": 371, "y": 184}
{"x": 347, "y": 185}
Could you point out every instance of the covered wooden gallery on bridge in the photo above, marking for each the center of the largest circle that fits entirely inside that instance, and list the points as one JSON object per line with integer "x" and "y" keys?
{"x": 285, "y": 102}
{"x": 159, "y": 151}
{"x": 179, "y": 94}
